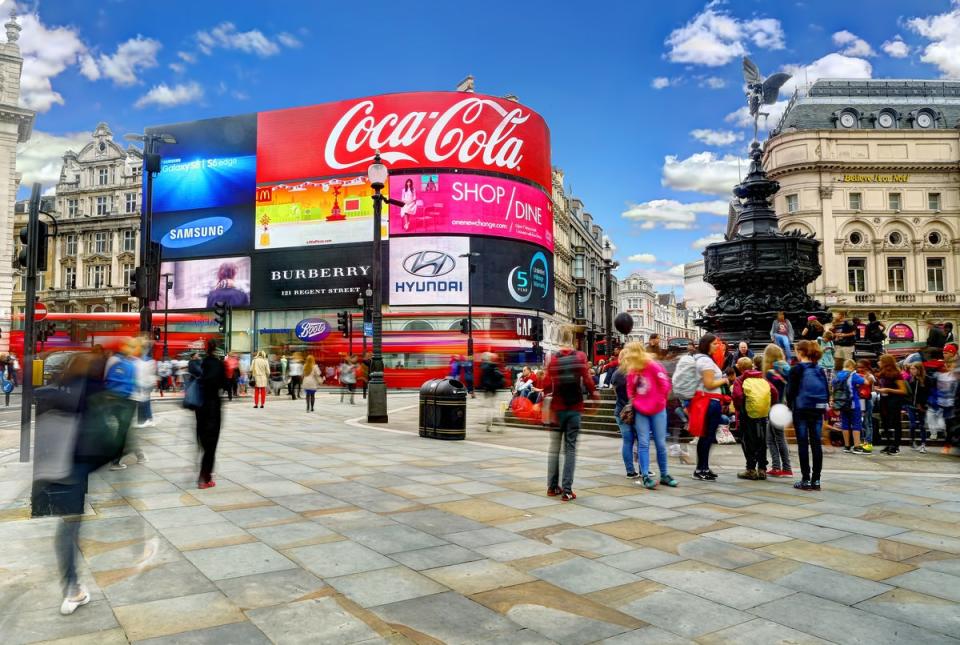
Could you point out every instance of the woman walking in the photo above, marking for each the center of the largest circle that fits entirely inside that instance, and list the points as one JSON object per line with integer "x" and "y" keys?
{"x": 212, "y": 381}
{"x": 893, "y": 390}
{"x": 260, "y": 373}
{"x": 648, "y": 387}
{"x": 781, "y": 333}
{"x": 776, "y": 370}
{"x": 311, "y": 380}
{"x": 348, "y": 377}
{"x": 918, "y": 388}
{"x": 807, "y": 396}
{"x": 712, "y": 381}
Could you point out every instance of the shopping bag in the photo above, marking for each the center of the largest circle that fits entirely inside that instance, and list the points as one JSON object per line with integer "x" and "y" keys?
{"x": 192, "y": 397}
{"x": 724, "y": 435}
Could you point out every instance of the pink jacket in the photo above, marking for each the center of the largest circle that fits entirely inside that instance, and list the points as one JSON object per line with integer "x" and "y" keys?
{"x": 648, "y": 390}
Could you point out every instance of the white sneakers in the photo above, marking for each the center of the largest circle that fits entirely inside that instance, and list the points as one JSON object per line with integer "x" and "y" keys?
{"x": 78, "y": 599}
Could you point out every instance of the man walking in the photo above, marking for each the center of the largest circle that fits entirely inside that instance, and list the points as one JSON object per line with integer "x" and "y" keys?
{"x": 566, "y": 378}
{"x": 212, "y": 381}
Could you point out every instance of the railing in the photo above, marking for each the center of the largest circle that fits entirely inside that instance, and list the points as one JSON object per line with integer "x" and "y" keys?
{"x": 865, "y": 297}
{"x": 71, "y": 294}
{"x": 905, "y": 297}
{"x": 946, "y": 297}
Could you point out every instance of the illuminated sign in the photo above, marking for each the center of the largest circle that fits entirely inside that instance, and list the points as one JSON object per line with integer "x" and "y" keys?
{"x": 875, "y": 179}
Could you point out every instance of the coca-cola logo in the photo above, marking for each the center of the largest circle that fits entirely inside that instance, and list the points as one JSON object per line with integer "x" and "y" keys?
{"x": 446, "y": 135}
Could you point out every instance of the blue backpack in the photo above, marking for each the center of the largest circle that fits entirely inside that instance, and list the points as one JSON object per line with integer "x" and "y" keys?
{"x": 813, "y": 393}
{"x": 121, "y": 377}
{"x": 5, "y": 384}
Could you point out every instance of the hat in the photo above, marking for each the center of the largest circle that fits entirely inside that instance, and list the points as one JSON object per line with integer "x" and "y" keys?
{"x": 950, "y": 347}
{"x": 809, "y": 318}
{"x": 934, "y": 365}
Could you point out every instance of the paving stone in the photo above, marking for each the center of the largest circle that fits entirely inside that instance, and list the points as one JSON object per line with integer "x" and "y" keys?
{"x": 682, "y": 613}
{"x": 746, "y": 537}
{"x": 817, "y": 581}
{"x": 719, "y": 553}
{"x": 384, "y": 586}
{"x": 855, "y": 525}
{"x": 267, "y": 589}
{"x": 309, "y": 502}
{"x": 886, "y": 549}
{"x": 582, "y": 576}
{"x": 561, "y": 626}
{"x": 951, "y": 566}
{"x": 929, "y": 612}
{"x": 206, "y": 535}
{"x": 587, "y": 542}
{"x": 474, "y": 577}
{"x": 647, "y": 636}
{"x": 437, "y": 522}
{"x": 45, "y": 624}
{"x": 933, "y": 583}
{"x": 437, "y": 556}
{"x": 831, "y": 557}
{"x": 260, "y": 516}
{"x": 481, "y": 537}
{"x": 287, "y": 536}
{"x": 238, "y": 560}
{"x": 175, "y": 615}
{"x": 760, "y": 632}
{"x": 719, "y": 585}
{"x": 790, "y": 528}
{"x": 515, "y": 550}
{"x": 450, "y": 618}
{"x": 174, "y": 517}
{"x": 155, "y": 583}
{"x": 306, "y": 622}
{"x": 929, "y": 541}
{"x": 339, "y": 559}
{"x": 246, "y": 633}
{"x": 393, "y": 539}
{"x": 641, "y": 559}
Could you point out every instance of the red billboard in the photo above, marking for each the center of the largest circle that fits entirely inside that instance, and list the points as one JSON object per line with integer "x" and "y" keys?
{"x": 412, "y": 130}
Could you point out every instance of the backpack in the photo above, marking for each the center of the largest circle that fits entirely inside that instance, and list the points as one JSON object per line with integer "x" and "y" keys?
{"x": 121, "y": 377}
{"x": 685, "y": 379}
{"x": 567, "y": 380}
{"x": 5, "y": 384}
{"x": 842, "y": 394}
{"x": 813, "y": 393}
{"x": 756, "y": 394}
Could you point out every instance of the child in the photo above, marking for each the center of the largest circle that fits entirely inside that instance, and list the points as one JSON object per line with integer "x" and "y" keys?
{"x": 775, "y": 369}
{"x": 846, "y": 400}
{"x": 866, "y": 393}
{"x": 753, "y": 395}
{"x": 827, "y": 361}
{"x": 893, "y": 390}
{"x": 807, "y": 396}
{"x": 916, "y": 404}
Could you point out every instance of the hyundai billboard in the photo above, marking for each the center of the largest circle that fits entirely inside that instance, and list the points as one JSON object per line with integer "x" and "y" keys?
{"x": 428, "y": 271}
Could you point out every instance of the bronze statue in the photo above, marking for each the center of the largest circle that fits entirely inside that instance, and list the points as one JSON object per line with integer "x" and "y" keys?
{"x": 760, "y": 91}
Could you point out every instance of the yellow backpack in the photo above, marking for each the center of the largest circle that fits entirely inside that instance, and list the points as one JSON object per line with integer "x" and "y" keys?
{"x": 756, "y": 392}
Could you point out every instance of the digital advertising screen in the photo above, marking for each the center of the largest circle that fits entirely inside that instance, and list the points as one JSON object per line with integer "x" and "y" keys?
{"x": 316, "y": 213}
{"x": 199, "y": 284}
{"x": 428, "y": 271}
{"x": 467, "y": 204}
{"x": 512, "y": 274}
{"x": 207, "y": 231}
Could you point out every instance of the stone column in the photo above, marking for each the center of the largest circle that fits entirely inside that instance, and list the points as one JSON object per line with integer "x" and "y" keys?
{"x": 832, "y": 262}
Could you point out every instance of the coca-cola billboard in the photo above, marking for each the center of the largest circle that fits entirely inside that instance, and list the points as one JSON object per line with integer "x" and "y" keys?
{"x": 414, "y": 130}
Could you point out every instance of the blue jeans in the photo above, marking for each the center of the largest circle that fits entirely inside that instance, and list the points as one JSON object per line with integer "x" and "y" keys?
{"x": 629, "y": 448}
{"x": 144, "y": 411}
{"x": 808, "y": 427}
{"x": 566, "y": 432}
{"x": 656, "y": 424}
{"x": 917, "y": 421}
{"x": 709, "y": 436}
{"x": 784, "y": 342}
{"x": 868, "y": 420}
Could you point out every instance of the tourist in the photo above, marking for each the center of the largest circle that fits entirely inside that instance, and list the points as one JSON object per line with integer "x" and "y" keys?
{"x": 947, "y": 380}
{"x": 624, "y": 415}
{"x": 260, "y": 373}
{"x": 752, "y": 396}
{"x": 311, "y": 381}
{"x": 491, "y": 382}
{"x": 231, "y": 366}
{"x": 653, "y": 346}
{"x": 948, "y": 333}
{"x": 892, "y": 390}
{"x": 813, "y": 330}
{"x": 648, "y": 387}
{"x": 465, "y": 368}
{"x": 875, "y": 334}
{"x": 348, "y": 378}
{"x": 732, "y": 360}
{"x": 918, "y": 391}
{"x": 295, "y": 372}
{"x": 776, "y": 371}
{"x": 121, "y": 383}
{"x": 827, "y": 361}
{"x": 707, "y": 415}
{"x": 844, "y": 337}
{"x": 566, "y": 379}
{"x": 865, "y": 370}
{"x": 781, "y": 333}
{"x": 208, "y": 415}
{"x": 146, "y": 380}
{"x": 807, "y": 397}
{"x": 7, "y": 381}
{"x": 845, "y": 399}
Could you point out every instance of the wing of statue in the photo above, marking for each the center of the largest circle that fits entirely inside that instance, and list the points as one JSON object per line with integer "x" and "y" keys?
{"x": 751, "y": 73}
{"x": 771, "y": 87}
{"x": 733, "y": 215}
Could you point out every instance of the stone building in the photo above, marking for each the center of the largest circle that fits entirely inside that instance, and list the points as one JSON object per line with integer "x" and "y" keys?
{"x": 697, "y": 294}
{"x": 653, "y": 312}
{"x": 16, "y": 124}
{"x": 97, "y": 206}
{"x": 871, "y": 168}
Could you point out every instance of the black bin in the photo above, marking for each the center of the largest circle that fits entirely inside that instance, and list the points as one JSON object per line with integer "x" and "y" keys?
{"x": 443, "y": 409}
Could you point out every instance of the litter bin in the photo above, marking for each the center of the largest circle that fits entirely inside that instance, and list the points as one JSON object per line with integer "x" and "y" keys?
{"x": 451, "y": 409}
{"x": 428, "y": 407}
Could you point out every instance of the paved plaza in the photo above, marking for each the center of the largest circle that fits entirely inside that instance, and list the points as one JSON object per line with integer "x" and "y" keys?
{"x": 323, "y": 530}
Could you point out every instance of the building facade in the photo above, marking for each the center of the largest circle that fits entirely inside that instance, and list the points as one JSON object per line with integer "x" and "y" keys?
{"x": 872, "y": 169}
{"x": 697, "y": 294}
{"x": 16, "y": 125}
{"x": 97, "y": 206}
{"x": 654, "y": 313}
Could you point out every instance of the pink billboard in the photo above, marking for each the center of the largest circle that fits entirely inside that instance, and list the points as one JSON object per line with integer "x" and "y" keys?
{"x": 467, "y": 204}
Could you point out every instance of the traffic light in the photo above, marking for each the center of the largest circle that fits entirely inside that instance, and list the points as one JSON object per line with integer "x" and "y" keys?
{"x": 536, "y": 330}
{"x": 343, "y": 323}
{"x": 220, "y": 316}
{"x": 156, "y": 334}
{"x": 43, "y": 232}
{"x": 46, "y": 331}
{"x": 464, "y": 326}
{"x": 138, "y": 283}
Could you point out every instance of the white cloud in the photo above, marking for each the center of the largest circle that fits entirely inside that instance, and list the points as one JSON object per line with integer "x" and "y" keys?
{"x": 704, "y": 172}
{"x": 643, "y": 258}
{"x": 671, "y": 277}
{"x": 133, "y": 55}
{"x": 289, "y": 40}
{"x": 852, "y": 44}
{"x": 943, "y": 32}
{"x": 714, "y": 38}
{"x": 702, "y": 242}
{"x": 714, "y": 83}
{"x": 896, "y": 48}
{"x": 41, "y": 157}
{"x": 672, "y": 214}
{"x": 179, "y": 68}
{"x": 47, "y": 52}
{"x": 226, "y": 36}
{"x": 164, "y": 96}
{"x": 88, "y": 67}
{"x": 741, "y": 117}
{"x": 716, "y": 137}
{"x": 187, "y": 57}
{"x": 660, "y": 82}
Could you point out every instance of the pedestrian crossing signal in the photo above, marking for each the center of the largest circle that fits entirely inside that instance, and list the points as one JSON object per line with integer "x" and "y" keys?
{"x": 220, "y": 316}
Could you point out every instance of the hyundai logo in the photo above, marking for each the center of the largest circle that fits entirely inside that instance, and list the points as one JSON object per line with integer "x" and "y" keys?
{"x": 429, "y": 264}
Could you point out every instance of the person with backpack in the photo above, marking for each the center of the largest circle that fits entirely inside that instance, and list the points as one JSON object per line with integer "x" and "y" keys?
{"x": 706, "y": 408}
{"x": 893, "y": 390}
{"x": 918, "y": 388}
{"x": 212, "y": 380}
{"x": 120, "y": 388}
{"x": 807, "y": 397}
{"x": 781, "y": 333}
{"x": 752, "y": 396}
{"x": 7, "y": 382}
{"x": 566, "y": 379}
{"x": 845, "y": 399}
{"x": 685, "y": 381}
{"x": 875, "y": 334}
{"x": 776, "y": 371}
{"x": 648, "y": 387}
{"x": 827, "y": 361}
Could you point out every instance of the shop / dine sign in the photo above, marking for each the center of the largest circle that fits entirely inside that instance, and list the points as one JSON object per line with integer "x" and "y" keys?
{"x": 312, "y": 330}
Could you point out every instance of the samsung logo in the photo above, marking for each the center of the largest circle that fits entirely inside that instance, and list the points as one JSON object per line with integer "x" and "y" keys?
{"x": 196, "y": 232}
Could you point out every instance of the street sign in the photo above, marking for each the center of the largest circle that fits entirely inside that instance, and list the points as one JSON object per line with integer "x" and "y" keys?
{"x": 39, "y": 312}
{"x": 368, "y": 329}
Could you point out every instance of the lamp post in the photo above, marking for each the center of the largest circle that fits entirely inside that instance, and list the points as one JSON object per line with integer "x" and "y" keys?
{"x": 364, "y": 303}
{"x": 608, "y": 265}
{"x": 470, "y": 270}
{"x": 377, "y": 401}
{"x": 167, "y": 286}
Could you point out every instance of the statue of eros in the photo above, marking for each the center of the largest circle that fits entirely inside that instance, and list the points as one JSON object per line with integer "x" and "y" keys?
{"x": 760, "y": 91}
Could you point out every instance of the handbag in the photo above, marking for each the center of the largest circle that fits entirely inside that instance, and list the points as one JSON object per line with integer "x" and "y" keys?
{"x": 192, "y": 397}
{"x": 724, "y": 435}
{"x": 626, "y": 414}
{"x": 697, "y": 412}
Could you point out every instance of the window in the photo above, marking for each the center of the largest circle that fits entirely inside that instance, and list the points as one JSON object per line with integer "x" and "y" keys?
{"x": 856, "y": 238}
{"x": 125, "y": 306}
{"x": 935, "y": 280}
{"x": 895, "y": 274}
{"x": 578, "y": 265}
{"x": 73, "y": 207}
{"x": 934, "y": 238}
{"x": 857, "y": 275}
{"x": 895, "y": 238}
{"x": 894, "y": 201}
{"x": 69, "y": 278}
{"x": 792, "y": 204}
{"x": 98, "y": 276}
{"x": 129, "y": 240}
{"x": 103, "y": 175}
{"x": 933, "y": 201}
{"x": 102, "y": 208}
{"x": 126, "y": 270}
{"x": 131, "y": 203}
{"x": 856, "y": 201}
{"x": 101, "y": 242}
{"x": 71, "y": 244}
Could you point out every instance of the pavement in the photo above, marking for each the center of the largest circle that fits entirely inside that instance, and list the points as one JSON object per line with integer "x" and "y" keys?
{"x": 322, "y": 529}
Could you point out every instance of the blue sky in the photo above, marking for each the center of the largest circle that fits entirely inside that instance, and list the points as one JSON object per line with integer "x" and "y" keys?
{"x": 640, "y": 97}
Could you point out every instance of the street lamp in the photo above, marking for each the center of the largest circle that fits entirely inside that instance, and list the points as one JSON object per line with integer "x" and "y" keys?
{"x": 167, "y": 286}
{"x": 151, "y": 166}
{"x": 364, "y": 303}
{"x": 608, "y": 265}
{"x": 470, "y": 270}
{"x": 377, "y": 402}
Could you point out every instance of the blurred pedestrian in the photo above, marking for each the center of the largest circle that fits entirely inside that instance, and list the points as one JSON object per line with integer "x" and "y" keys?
{"x": 231, "y": 368}
{"x": 491, "y": 382}
{"x": 260, "y": 373}
{"x": 348, "y": 378}
{"x": 7, "y": 378}
{"x": 653, "y": 346}
{"x": 121, "y": 383}
{"x": 147, "y": 373}
{"x": 311, "y": 381}
{"x": 212, "y": 380}
{"x": 295, "y": 372}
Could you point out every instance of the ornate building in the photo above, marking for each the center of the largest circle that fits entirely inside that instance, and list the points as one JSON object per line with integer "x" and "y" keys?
{"x": 654, "y": 313}
{"x": 97, "y": 206}
{"x": 16, "y": 125}
{"x": 871, "y": 168}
